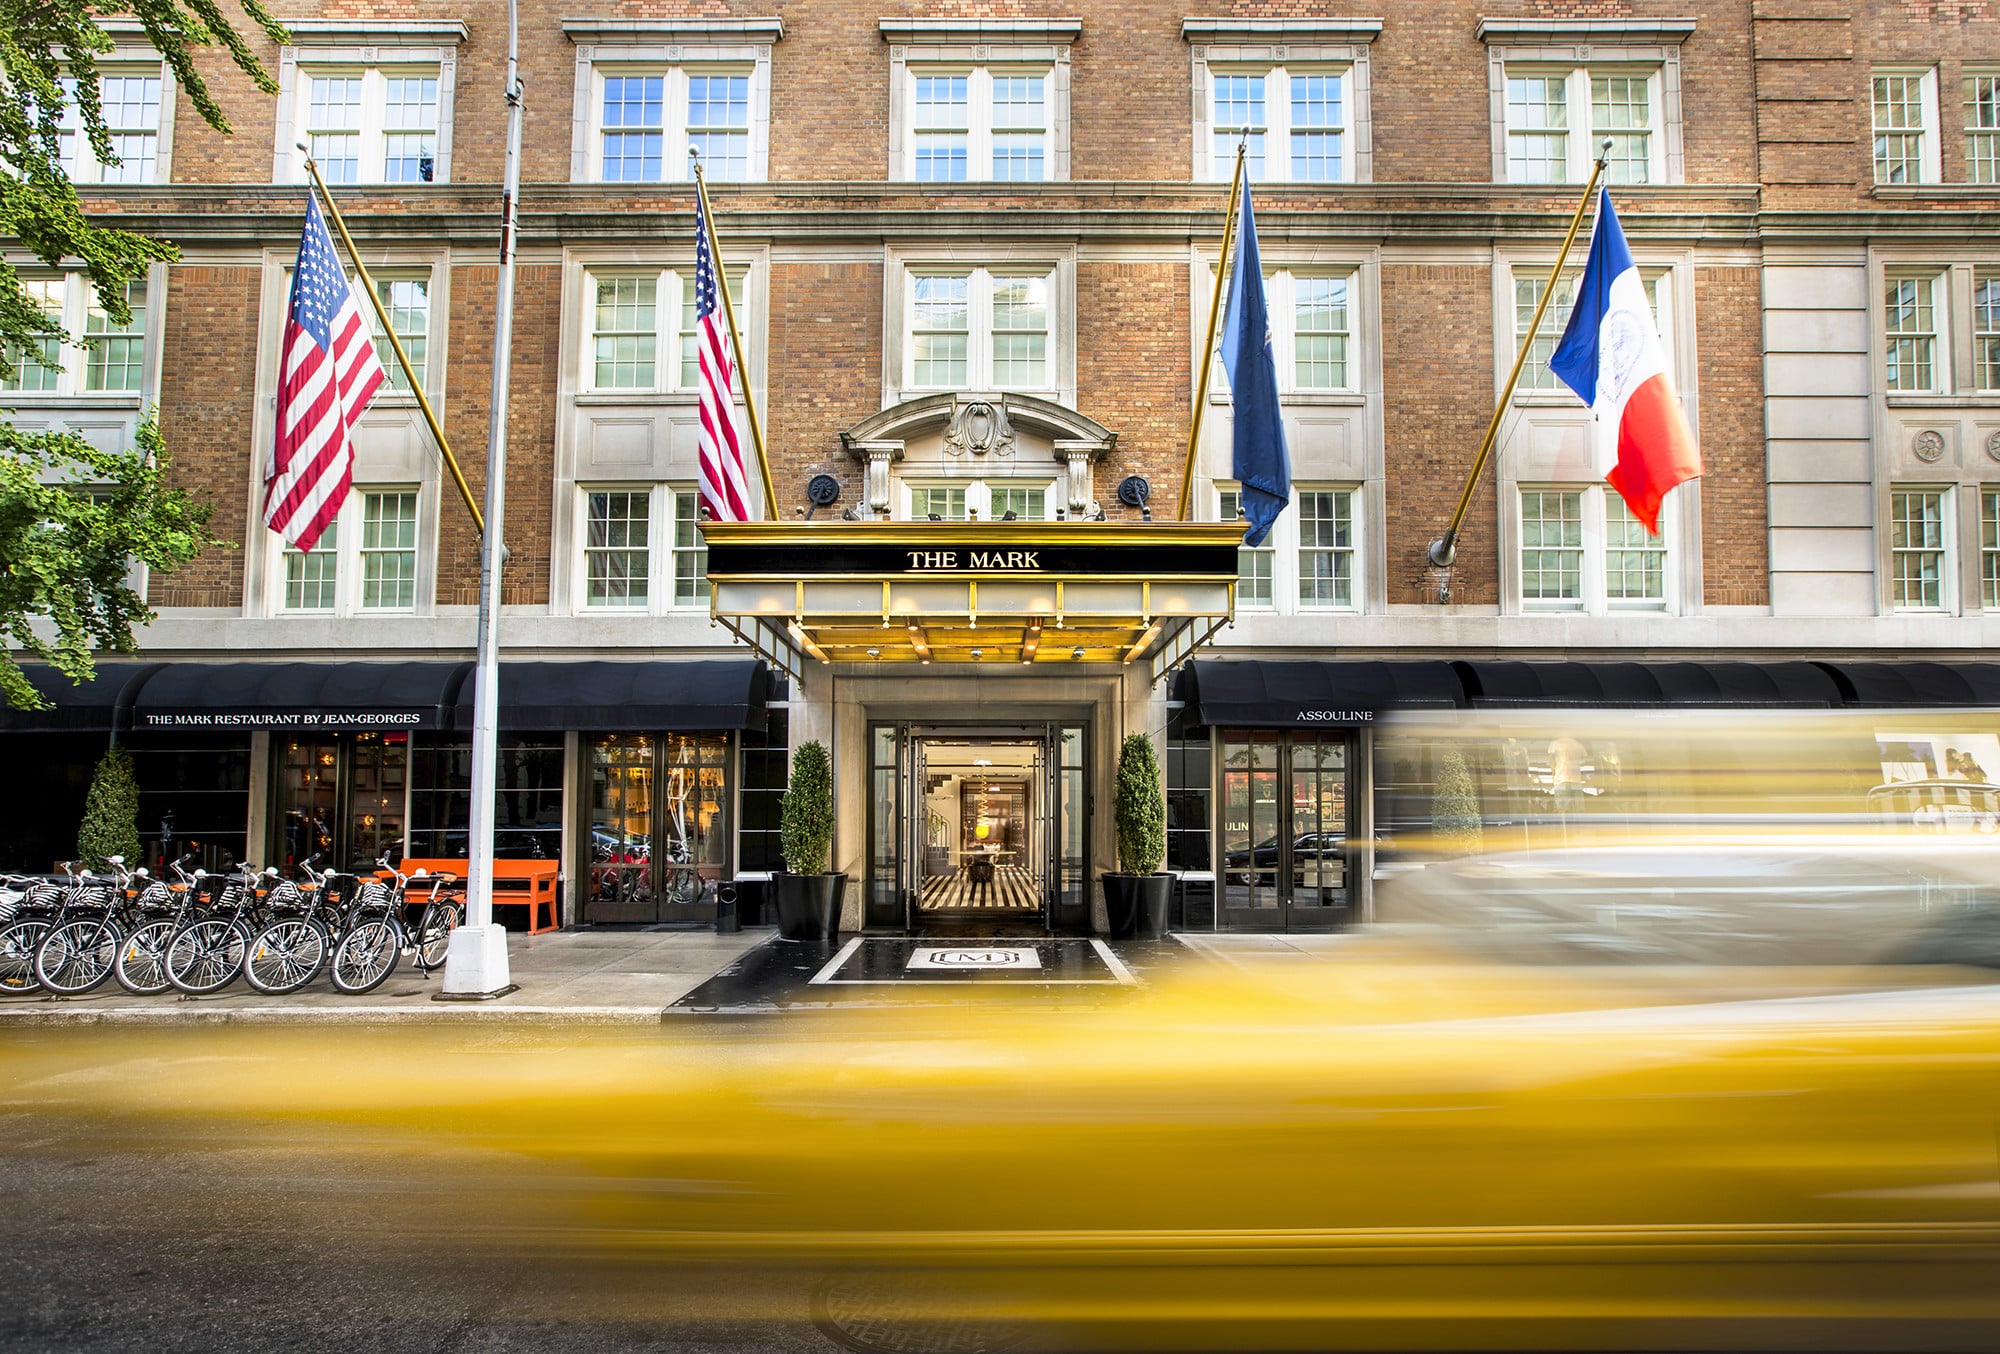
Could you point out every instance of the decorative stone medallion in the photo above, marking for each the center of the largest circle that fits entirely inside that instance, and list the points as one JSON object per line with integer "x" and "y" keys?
{"x": 1993, "y": 444}
{"x": 1928, "y": 446}
{"x": 981, "y": 428}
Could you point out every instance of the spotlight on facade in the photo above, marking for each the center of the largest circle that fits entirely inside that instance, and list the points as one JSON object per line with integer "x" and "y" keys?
{"x": 1076, "y": 652}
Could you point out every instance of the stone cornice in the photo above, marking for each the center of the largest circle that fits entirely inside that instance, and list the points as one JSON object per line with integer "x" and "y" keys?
{"x": 1316, "y": 30}
{"x": 920, "y": 31}
{"x": 375, "y": 32}
{"x": 762, "y": 30}
{"x": 1534, "y": 32}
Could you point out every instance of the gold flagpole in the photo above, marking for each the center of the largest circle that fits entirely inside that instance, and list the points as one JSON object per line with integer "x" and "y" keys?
{"x": 1208, "y": 348}
{"x": 735, "y": 340}
{"x": 1444, "y": 549}
{"x": 423, "y": 403}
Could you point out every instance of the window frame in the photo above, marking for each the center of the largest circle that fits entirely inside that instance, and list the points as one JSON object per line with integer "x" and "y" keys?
{"x": 1931, "y": 151}
{"x": 348, "y": 584}
{"x": 669, "y": 337}
{"x": 677, "y": 48}
{"x": 124, "y": 62}
{"x": 1974, "y": 132}
{"x": 77, "y": 352}
{"x": 321, "y": 46}
{"x": 1989, "y": 546}
{"x": 1581, "y": 134}
{"x": 1576, "y": 49}
{"x": 1281, "y": 297}
{"x": 1594, "y": 597}
{"x": 980, "y": 333}
{"x": 664, "y": 549}
{"x": 1284, "y": 548}
{"x": 980, "y": 49}
{"x": 1663, "y": 283}
{"x": 980, "y": 128}
{"x": 1306, "y": 47}
{"x": 373, "y": 131}
{"x": 978, "y": 494}
{"x": 1946, "y": 550}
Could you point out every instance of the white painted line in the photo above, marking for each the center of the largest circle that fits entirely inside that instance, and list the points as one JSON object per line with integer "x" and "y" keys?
{"x": 1112, "y": 962}
{"x": 826, "y": 973}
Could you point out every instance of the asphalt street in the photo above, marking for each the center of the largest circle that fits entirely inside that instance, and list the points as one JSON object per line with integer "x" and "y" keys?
{"x": 251, "y": 1235}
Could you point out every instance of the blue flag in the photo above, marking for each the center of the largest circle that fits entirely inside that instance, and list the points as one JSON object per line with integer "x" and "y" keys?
{"x": 1258, "y": 459}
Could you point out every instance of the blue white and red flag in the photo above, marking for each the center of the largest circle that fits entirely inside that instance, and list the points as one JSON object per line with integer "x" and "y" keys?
{"x": 1612, "y": 357}
{"x": 720, "y": 453}
{"x": 328, "y": 371}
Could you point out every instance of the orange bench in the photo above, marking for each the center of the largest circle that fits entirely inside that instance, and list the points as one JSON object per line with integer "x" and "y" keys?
{"x": 516, "y": 883}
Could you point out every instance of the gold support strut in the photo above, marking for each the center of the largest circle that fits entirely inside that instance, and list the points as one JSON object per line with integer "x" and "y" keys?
{"x": 736, "y": 346}
{"x": 423, "y": 401}
{"x": 1208, "y": 348}
{"x": 1443, "y": 550}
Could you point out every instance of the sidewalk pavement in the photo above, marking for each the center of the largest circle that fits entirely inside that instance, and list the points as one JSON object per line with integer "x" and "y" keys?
{"x": 583, "y": 977}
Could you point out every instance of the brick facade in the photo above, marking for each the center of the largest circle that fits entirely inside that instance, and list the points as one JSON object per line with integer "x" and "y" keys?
{"x": 1775, "y": 131}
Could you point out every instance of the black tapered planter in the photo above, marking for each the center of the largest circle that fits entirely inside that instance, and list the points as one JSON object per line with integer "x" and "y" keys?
{"x": 808, "y": 905}
{"x": 1136, "y": 904}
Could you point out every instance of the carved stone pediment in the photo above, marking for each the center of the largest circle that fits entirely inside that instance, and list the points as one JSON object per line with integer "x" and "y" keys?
{"x": 962, "y": 432}
{"x": 979, "y": 428}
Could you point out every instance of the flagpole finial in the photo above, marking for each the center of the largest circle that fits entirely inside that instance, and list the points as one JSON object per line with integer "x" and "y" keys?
{"x": 1604, "y": 152}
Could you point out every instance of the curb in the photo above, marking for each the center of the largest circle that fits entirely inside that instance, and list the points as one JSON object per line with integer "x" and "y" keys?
{"x": 52, "y": 1013}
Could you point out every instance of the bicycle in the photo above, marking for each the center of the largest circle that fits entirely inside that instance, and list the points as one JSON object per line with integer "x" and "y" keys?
{"x": 79, "y": 950}
{"x": 206, "y": 955}
{"x": 291, "y": 949}
{"x": 32, "y": 911}
{"x": 683, "y": 884}
{"x": 376, "y": 935}
{"x": 141, "y": 966}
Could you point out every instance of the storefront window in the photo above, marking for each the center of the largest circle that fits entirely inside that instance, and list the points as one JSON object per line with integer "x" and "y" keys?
{"x": 343, "y": 797}
{"x": 659, "y": 825}
{"x": 528, "y": 797}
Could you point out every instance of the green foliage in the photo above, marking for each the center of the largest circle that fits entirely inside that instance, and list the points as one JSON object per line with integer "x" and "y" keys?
{"x": 65, "y": 552}
{"x": 1455, "y": 806}
{"x": 1141, "y": 810}
{"x": 43, "y": 42}
{"x": 64, "y": 555}
{"x": 807, "y": 811}
{"x": 111, "y": 813}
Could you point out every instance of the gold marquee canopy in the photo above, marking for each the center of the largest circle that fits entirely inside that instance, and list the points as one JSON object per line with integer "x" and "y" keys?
{"x": 973, "y": 592}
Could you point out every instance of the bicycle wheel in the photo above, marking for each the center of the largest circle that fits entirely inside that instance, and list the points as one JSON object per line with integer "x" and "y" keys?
{"x": 683, "y": 886}
{"x": 285, "y": 956}
{"x": 205, "y": 957}
{"x": 141, "y": 966}
{"x": 434, "y": 934}
{"x": 77, "y": 956}
{"x": 18, "y": 944}
{"x": 365, "y": 957}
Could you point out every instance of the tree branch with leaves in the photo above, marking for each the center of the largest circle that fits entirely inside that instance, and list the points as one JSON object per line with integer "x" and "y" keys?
{"x": 65, "y": 553}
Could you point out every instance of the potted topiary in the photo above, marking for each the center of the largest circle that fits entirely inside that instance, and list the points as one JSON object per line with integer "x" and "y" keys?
{"x": 110, "y": 824}
{"x": 1455, "y": 818}
{"x": 808, "y": 894}
{"x": 1135, "y": 895}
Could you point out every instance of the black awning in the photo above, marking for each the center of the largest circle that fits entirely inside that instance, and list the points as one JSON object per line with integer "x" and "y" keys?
{"x": 1261, "y": 694}
{"x": 91, "y": 707}
{"x": 330, "y": 695}
{"x": 700, "y": 696}
{"x": 1618, "y": 685}
{"x": 1917, "y": 684}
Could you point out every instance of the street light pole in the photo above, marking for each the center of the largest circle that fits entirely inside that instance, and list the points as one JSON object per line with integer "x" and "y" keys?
{"x": 476, "y": 965}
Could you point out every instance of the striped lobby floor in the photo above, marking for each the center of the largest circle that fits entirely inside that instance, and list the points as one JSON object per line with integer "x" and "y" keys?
{"x": 1014, "y": 889}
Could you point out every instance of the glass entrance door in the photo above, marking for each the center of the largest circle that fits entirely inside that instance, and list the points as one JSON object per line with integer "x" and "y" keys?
{"x": 1283, "y": 830}
{"x": 344, "y": 797}
{"x": 970, "y": 825}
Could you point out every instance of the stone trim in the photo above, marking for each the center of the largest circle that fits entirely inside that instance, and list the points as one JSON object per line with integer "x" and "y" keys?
{"x": 375, "y": 32}
{"x": 1314, "y": 30}
{"x": 1615, "y": 31}
{"x": 615, "y": 31}
{"x": 921, "y": 30}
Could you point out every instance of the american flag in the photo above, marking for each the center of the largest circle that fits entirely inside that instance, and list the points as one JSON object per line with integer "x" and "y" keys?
{"x": 329, "y": 374}
{"x": 723, "y": 491}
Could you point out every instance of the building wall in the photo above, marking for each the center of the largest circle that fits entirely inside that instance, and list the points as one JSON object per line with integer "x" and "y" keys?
{"x": 1771, "y": 239}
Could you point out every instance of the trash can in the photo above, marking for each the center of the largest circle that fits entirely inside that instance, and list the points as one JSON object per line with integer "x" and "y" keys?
{"x": 752, "y": 889}
{"x": 726, "y": 922}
